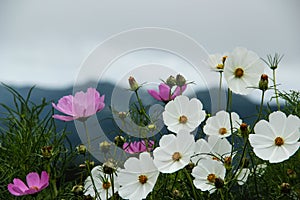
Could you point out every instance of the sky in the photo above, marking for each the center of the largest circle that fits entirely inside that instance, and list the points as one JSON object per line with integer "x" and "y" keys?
{"x": 48, "y": 43}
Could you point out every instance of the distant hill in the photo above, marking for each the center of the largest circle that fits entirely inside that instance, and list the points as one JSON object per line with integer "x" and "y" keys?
{"x": 240, "y": 104}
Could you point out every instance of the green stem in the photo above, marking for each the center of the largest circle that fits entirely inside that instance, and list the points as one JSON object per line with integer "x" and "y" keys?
{"x": 142, "y": 109}
{"x": 275, "y": 89}
{"x": 260, "y": 108}
{"x": 191, "y": 183}
{"x": 220, "y": 90}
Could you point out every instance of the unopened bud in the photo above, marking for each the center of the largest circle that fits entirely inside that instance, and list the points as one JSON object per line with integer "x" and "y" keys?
{"x": 244, "y": 130}
{"x": 291, "y": 174}
{"x": 263, "y": 83}
{"x": 180, "y": 80}
{"x": 285, "y": 188}
{"x": 109, "y": 167}
{"x": 47, "y": 151}
{"x": 104, "y": 146}
{"x": 219, "y": 183}
{"x": 171, "y": 81}
{"x": 119, "y": 141}
{"x": 134, "y": 86}
{"x": 151, "y": 127}
{"x": 122, "y": 115}
{"x": 81, "y": 149}
{"x": 78, "y": 190}
{"x": 227, "y": 162}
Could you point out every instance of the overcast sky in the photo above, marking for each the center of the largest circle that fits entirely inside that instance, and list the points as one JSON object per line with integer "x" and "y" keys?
{"x": 46, "y": 42}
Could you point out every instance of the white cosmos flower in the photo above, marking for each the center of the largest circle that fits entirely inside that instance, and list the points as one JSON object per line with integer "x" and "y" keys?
{"x": 243, "y": 176}
{"x": 182, "y": 113}
{"x": 216, "y": 62}
{"x": 277, "y": 139}
{"x": 208, "y": 174}
{"x": 220, "y": 124}
{"x": 102, "y": 182}
{"x": 138, "y": 178}
{"x": 215, "y": 148}
{"x": 243, "y": 70}
{"x": 174, "y": 152}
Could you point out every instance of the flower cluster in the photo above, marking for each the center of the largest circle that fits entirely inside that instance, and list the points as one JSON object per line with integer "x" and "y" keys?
{"x": 205, "y": 153}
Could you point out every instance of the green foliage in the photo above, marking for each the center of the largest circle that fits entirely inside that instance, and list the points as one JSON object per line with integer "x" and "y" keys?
{"x": 30, "y": 143}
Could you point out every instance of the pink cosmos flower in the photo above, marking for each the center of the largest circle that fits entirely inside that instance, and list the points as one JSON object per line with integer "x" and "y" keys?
{"x": 34, "y": 182}
{"x": 138, "y": 146}
{"x": 165, "y": 94}
{"x": 81, "y": 106}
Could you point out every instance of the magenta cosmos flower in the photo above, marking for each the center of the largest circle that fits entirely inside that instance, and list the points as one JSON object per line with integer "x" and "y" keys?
{"x": 81, "y": 106}
{"x": 34, "y": 181}
{"x": 138, "y": 146}
{"x": 165, "y": 93}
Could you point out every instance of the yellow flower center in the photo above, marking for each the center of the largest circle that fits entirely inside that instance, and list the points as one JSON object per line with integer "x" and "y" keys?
{"x": 211, "y": 178}
{"x": 239, "y": 72}
{"x": 279, "y": 141}
{"x": 220, "y": 66}
{"x": 222, "y": 131}
{"x": 106, "y": 185}
{"x": 143, "y": 179}
{"x": 176, "y": 156}
{"x": 183, "y": 119}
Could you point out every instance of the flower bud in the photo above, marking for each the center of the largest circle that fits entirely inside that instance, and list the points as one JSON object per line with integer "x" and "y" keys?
{"x": 122, "y": 115}
{"x": 134, "y": 86}
{"x": 180, "y": 80}
{"x": 81, "y": 149}
{"x": 109, "y": 167}
{"x": 47, "y": 151}
{"x": 227, "y": 162}
{"x": 219, "y": 183}
{"x": 104, "y": 146}
{"x": 151, "y": 127}
{"x": 78, "y": 190}
{"x": 244, "y": 130}
{"x": 263, "y": 83}
{"x": 291, "y": 174}
{"x": 119, "y": 141}
{"x": 285, "y": 188}
{"x": 171, "y": 81}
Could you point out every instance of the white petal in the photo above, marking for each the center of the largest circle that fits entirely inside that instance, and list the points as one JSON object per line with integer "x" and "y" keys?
{"x": 278, "y": 122}
{"x": 264, "y": 153}
{"x": 264, "y": 128}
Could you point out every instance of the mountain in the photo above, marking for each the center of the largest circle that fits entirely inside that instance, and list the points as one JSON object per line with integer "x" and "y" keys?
{"x": 240, "y": 104}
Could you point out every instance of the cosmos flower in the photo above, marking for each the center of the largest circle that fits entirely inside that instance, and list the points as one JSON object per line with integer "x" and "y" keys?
{"x": 35, "y": 183}
{"x": 216, "y": 62}
{"x": 220, "y": 124}
{"x": 138, "y": 146}
{"x": 138, "y": 177}
{"x": 243, "y": 70}
{"x": 81, "y": 106}
{"x": 174, "y": 152}
{"x": 277, "y": 139}
{"x": 209, "y": 175}
{"x": 165, "y": 93}
{"x": 103, "y": 184}
{"x": 182, "y": 113}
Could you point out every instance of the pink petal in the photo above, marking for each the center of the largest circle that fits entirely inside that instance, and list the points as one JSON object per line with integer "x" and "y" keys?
{"x": 33, "y": 179}
{"x": 65, "y": 105}
{"x": 20, "y": 184}
{"x": 64, "y": 118}
{"x": 154, "y": 94}
{"x": 177, "y": 91}
{"x": 164, "y": 91}
{"x": 44, "y": 182}
{"x": 14, "y": 190}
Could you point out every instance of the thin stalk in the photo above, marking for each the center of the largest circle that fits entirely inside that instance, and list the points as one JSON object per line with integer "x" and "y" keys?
{"x": 220, "y": 90}
{"x": 275, "y": 90}
{"x": 191, "y": 183}
{"x": 142, "y": 109}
